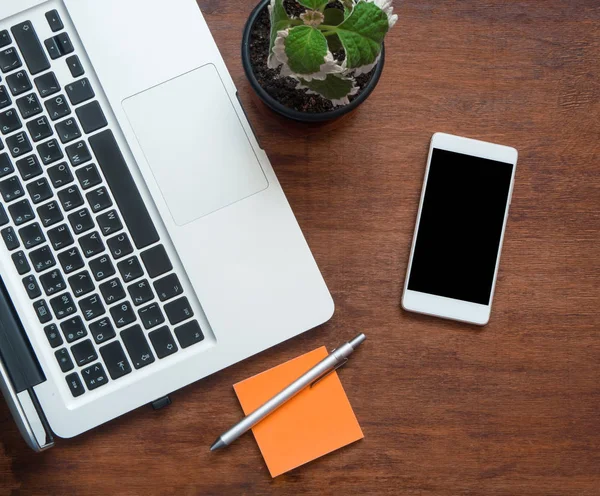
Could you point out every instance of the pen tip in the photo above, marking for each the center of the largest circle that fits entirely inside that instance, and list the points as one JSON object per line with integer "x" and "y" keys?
{"x": 218, "y": 444}
{"x": 357, "y": 341}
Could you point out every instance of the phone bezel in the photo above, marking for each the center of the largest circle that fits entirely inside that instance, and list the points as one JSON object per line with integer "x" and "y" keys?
{"x": 440, "y": 306}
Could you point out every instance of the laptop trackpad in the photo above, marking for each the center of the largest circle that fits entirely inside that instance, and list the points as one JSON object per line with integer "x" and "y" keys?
{"x": 195, "y": 144}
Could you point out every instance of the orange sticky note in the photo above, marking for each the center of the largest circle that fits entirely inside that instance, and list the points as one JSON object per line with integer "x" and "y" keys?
{"x": 313, "y": 423}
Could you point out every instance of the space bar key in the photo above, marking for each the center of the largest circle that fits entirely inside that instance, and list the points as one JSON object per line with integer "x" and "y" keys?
{"x": 123, "y": 187}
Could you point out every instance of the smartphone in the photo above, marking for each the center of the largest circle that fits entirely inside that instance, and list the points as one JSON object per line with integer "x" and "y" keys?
{"x": 460, "y": 228}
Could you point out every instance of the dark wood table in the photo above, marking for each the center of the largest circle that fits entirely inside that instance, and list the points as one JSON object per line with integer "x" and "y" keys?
{"x": 446, "y": 408}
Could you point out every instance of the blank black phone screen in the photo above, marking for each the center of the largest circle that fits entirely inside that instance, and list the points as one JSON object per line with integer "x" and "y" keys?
{"x": 459, "y": 234}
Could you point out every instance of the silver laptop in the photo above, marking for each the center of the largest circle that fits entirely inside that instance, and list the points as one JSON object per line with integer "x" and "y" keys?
{"x": 146, "y": 242}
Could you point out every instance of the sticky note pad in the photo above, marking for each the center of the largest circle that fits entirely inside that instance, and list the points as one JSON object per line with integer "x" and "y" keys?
{"x": 315, "y": 422}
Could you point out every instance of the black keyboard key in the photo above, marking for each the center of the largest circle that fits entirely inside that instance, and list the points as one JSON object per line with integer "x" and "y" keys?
{"x": 124, "y": 189}
{"x": 63, "y": 305}
{"x": 130, "y": 269}
{"x": 60, "y": 237}
{"x": 51, "y": 45}
{"x": 47, "y": 84}
{"x": 64, "y": 44}
{"x": 81, "y": 284}
{"x": 73, "y": 329}
{"x": 5, "y": 99}
{"x": 68, "y": 130}
{"x": 102, "y": 330}
{"x": 21, "y": 262}
{"x": 19, "y": 83}
{"x": 50, "y": 214}
{"x": 53, "y": 336}
{"x": 112, "y": 291}
{"x": 179, "y": 310}
{"x": 18, "y": 144}
{"x": 54, "y": 21}
{"x": 9, "y": 60}
{"x": 32, "y": 287}
{"x": 102, "y": 268}
{"x": 52, "y": 282}
{"x": 11, "y": 189}
{"x": 1, "y": 145}
{"x": 163, "y": 342}
{"x": 109, "y": 222}
{"x": 29, "y": 167}
{"x": 75, "y": 385}
{"x": 119, "y": 246}
{"x": 60, "y": 175}
{"x": 9, "y": 121}
{"x": 10, "y": 238}
{"x": 64, "y": 360}
{"x": 70, "y": 198}
{"x": 42, "y": 311}
{"x": 5, "y": 38}
{"x": 189, "y": 334}
{"x": 70, "y": 260}
{"x": 80, "y": 91}
{"x": 50, "y": 152}
{"x": 75, "y": 66}
{"x": 99, "y": 199}
{"x": 57, "y": 107}
{"x": 39, "y": 190}
{"x": 151, "y": 316}
{"x": 39, "y": 129}
{"x": 79, "y": 153}
{"x": 32, "y": 235}
{"x": 30, "y": 46}
{"x": 91, "y": 244}
{"x": 91, "y": 117}
{"x": 3, "y": 216}
{"x": 81, "y": 221}
{"x": 137, "y": 346}
{"x": 88, "y": 176}
{"x": 42, "y": 259}
{"x": 122, "y": 314}
{"x": 156, "y": 261}
{"x": 6, "y": 166}
{"x": 84, "y": 353}
{"x": 21, "y": 212}
{"x": 94, "y": 376}
{"x": 29, "y": 106}
{"x": 140, "y": 292}
{"x": 115, "y": 360}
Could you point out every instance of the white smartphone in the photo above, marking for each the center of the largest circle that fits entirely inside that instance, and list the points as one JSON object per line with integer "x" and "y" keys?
{"x": 460, "y": 228}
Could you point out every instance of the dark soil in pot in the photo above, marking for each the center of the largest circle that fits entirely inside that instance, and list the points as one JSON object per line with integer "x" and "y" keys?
{"x": 283, "y": 89}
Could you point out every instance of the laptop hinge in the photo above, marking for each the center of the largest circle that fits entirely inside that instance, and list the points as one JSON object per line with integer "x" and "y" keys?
{"x": 20, "y": 371}
{"x": 16, "y": 353}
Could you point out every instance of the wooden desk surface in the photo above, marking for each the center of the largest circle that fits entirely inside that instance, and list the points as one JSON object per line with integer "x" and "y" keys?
{"x": 447, "y": 409}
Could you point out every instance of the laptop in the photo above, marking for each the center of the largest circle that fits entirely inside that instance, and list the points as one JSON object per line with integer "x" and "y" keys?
{"x": 146, "y": 242}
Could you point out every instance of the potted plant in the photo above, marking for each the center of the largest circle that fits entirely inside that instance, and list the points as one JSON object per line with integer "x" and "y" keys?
{"x": 316, "y": 60}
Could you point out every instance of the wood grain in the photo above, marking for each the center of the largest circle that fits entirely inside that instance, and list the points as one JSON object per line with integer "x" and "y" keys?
{"x": 446, "y": 409}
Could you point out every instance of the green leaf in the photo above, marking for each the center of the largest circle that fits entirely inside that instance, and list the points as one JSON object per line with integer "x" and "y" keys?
{"x": 279, "y": 21}
{"x": 362, "y": 34}
{"x": 305, "y": 48}
{"x": 333, "y": 40}
{"x": 333, "y": 17}
{"x": 314, "y": 4}
{"x": 333, "y": 87}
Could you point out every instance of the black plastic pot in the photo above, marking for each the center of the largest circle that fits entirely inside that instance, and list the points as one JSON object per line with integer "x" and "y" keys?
{"x": 274, "y": 105}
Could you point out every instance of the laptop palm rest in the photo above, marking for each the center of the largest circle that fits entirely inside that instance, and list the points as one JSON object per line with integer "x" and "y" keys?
{"x": 195, "y": 144}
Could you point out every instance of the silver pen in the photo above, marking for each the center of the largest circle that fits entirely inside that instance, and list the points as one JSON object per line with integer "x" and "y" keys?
{"x": 329, "y": 364}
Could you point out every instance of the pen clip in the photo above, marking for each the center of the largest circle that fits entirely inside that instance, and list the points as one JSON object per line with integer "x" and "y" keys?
{"x": 326, "y": 374}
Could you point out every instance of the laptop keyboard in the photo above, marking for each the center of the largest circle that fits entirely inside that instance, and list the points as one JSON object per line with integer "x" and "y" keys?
{"x": 90, "y": 257}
